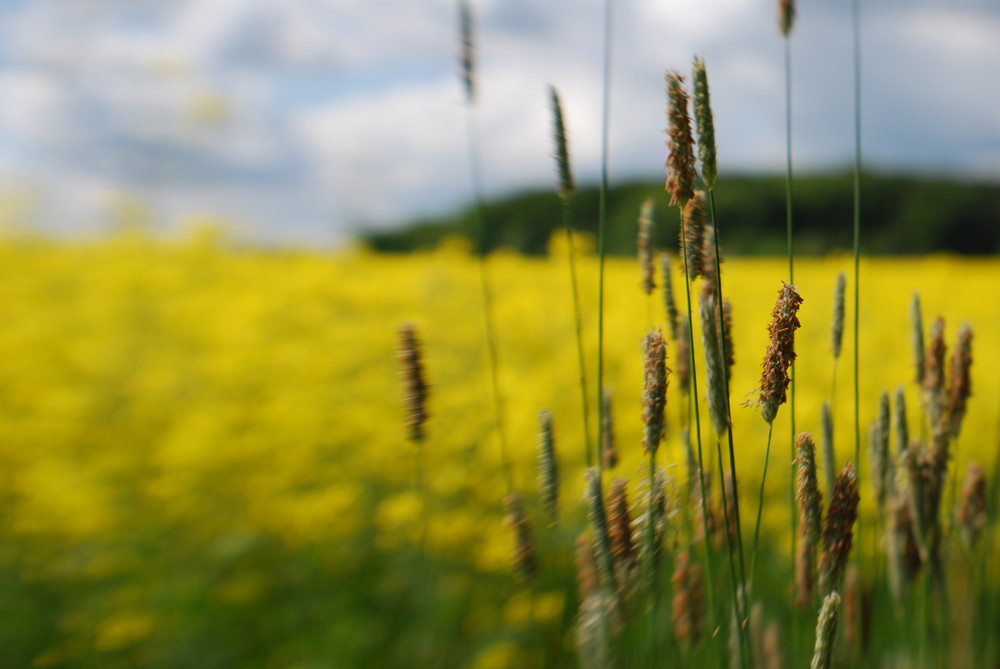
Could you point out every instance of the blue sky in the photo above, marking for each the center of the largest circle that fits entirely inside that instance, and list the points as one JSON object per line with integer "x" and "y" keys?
{"x": 302, "y": 121}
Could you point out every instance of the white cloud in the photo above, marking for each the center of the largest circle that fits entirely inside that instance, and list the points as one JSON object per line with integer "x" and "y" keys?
{"x": 337, "y": 112}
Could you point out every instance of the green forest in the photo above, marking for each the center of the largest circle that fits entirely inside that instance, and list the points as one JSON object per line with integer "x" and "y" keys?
{"x": 900, "y": 215}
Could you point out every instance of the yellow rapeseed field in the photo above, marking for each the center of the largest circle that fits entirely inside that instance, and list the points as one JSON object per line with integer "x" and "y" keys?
{"x": 156, "y": 395}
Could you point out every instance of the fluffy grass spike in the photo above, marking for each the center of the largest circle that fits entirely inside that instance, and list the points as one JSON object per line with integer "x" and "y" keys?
{"x": 414, "y": 386}
{"x": 548, "y": 467}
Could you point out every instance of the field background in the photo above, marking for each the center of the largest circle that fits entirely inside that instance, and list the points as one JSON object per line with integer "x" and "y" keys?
{"x": 202, "y": 458}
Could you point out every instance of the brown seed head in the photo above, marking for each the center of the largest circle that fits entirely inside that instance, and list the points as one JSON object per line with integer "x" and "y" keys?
{"x": 903, "y": 556}
{"x": 692, "y": 236}
{"x": 857, "y": 612}
{"x": 414, "y": 386}
{"x": 525, "y": 560}
{"x": 586, "y": 576}
{"x": 810, "y": 517}
{"x": 786, "y": 16}
{"x": 620, "y": 530}
{"x": 727, "y": 336}
{"x": 780, "y": 354}
{"x": 972, "y": 508}
{"x": 919, "y": 469}
{"x": 708, "y": 259}
{"x": 688, "y": 598}
{"x": 680, "y": 162}
{"x": 654, "y": 396}
{"x": 934, "y": 388}
{"x": 839, "y": 534}
{"x": 961, "y": 381}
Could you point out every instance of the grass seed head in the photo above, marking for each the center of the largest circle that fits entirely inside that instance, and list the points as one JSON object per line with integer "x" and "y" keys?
{"x": 688, "y": 601}
{"x": 586, "y": 576}
{"x": 780, "y": 353}
{"x": 654, "y": 396}
{"x": 960, "y": 388}
{"x": 839, "y": 534}
{"x": 972, "y": 507}
{"x": 414, "y": 386}
{"x": 786, "y": 16}
{"x": 857, "y": 612}
{"x": 668, "y": 295}
{"x": 467, "y": 57}
{"x": 903, "y": 556}
{"x": 525, "y": 559}
{"x": 810, "y": 505}
{"x": 620, "y": 531}
{"x": 705, "y": 123}
{"x": 934, "y": 382}
{"x": 917, "y": 337}
{"x": 680, "y": 161}
{"x": 715, "y": 371}
{"x": 826, "y": 631}
{"x": 710, "y": 268}
{"x": 548, "y": 467}
{"x": 692, "y": 236}
{"x": 603, "y": 555}
{"x": 837, "y": 329}
{"x": 727, "y": 337}
{"x": 566, "y": 184}
{"x": 902, "y": 427}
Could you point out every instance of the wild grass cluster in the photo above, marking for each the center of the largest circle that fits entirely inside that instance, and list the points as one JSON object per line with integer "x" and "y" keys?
{"x": 218, "y": 456}
{"x": 674, "y": 572}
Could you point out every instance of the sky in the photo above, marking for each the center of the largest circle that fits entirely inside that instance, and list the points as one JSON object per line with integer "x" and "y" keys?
{"x": 306, "y": 121}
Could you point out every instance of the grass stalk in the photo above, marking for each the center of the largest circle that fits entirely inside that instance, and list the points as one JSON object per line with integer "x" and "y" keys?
{"x": 485, "y": 283}
{"x": 591, "y": 451}
{"x": 725, "y": 377}
{"x": 602, "y": 209}
{"x": 760, "y": 507}
{"x": 693, "y": 399}
{"x": 856, "y": 51}
{"x": 729, "y": 418}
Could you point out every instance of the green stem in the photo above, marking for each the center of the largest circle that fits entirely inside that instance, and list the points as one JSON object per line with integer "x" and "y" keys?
{"x": 738, "y": 587}
{"x": 791, "y": 280}
{"x": 578, "y": 322}
{"x": 856, "y": 39}
{"x": 725, "y": 380}
{"x": 479, "y": 214}
{"x": 760, "y": 507}
{"x": 602, "y": 215}
{"x": 693, "y": 398}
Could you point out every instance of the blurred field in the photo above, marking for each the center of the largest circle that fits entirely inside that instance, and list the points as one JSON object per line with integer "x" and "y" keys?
{"x": 202, "y": 459}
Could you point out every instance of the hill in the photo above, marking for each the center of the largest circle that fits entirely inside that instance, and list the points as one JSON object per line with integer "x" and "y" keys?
{"x": 900, "y": 215}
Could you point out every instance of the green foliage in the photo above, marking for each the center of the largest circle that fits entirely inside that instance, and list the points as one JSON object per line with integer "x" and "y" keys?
{"x": 900, "y": 215}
